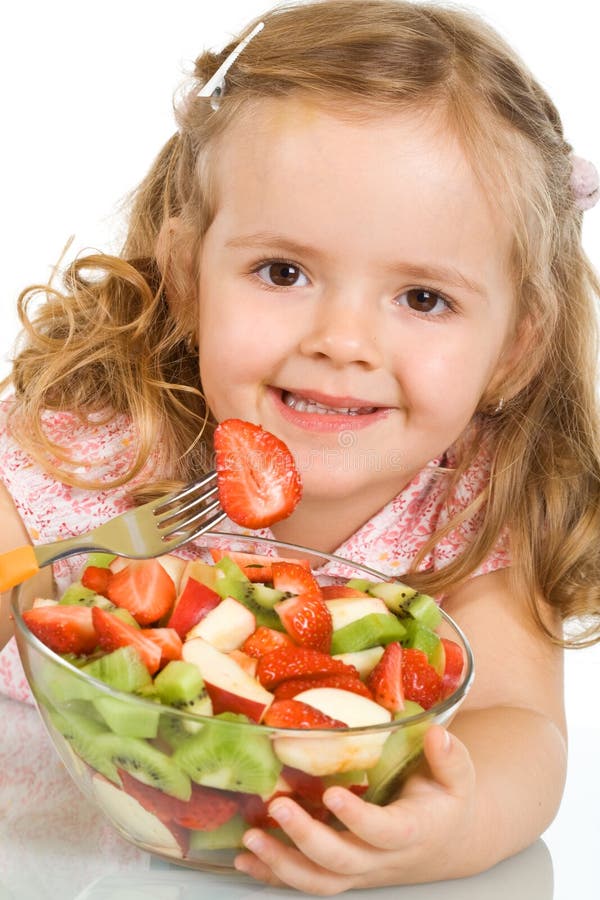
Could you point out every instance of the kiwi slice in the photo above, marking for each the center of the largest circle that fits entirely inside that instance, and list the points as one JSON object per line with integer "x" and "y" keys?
{"x": 128, "y": 719}
{"x": 181, "y": 685}
{"x": 400, "y": 754}
{"x": 147, "y": 764}
{"x": 360, "y": 584}
{"x": 425, "y": 610}
{"x": 78, "y": 595}
{"x": 231, "y": 569}
{"x": 122, "y": 670}
{"x": 420, "y": 638}
{"x": 85, "y": 737}
{"x": 226, "y": 837}
{"x": 370, "y": 631}
{"x": 224, "y": 755}
{"x": 259, "y": 599}
{"x": 100, "y": 560}
{"x": 395, "y": 595}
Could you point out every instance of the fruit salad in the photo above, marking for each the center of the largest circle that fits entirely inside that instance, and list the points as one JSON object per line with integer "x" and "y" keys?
{"x": 192, "y": 693}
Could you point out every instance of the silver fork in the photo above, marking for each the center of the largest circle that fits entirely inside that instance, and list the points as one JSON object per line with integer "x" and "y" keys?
{"x": 150, "y": 530}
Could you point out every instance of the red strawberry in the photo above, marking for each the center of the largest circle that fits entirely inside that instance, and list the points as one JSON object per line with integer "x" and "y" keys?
{"x": 293, "y": 578}
{"x": 420, "y": 681}
{"x": 255, "y": 566}
{"x": 144, "y": 588}
{"x": 195, "y": 602}
{"x": 294, "y": 686}
{"x": 96, "y": 579}
{"x": 296, "y": 662}
{"x": 207, "y": 808}
{"x": 307, "y": 620}
{"x": 167, "y": 640}
{"x": 309, "y": 786}
{"x": 257, "y": 477}
{"x": 385, "y": 680}
{"x": 114, "y": 633}
{"x": 296, "y": 714}
{"x": 453, "y": 666}
{"x": 265, "y": 639}
{"x": 64, "y": 629}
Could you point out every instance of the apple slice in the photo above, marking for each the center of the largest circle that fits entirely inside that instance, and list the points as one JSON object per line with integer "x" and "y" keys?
{"x": 350, "y": 609}
{"x": 199, "y": 571}
{"x": 364, "y": 661}
{"x": 226, "y": 626}
{"x": 337, "y": 752}
{"x": 137, "y": 823}
{"x": 229, "y": 687}
{"x": 195, "y": 601}
{"x": 173, "y": 566}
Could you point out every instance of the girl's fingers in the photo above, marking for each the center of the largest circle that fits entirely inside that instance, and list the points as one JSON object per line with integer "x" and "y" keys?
{"x": 394, "y": 827}
{"x": 275, "y": 863}
{"x": 449, "y": 761}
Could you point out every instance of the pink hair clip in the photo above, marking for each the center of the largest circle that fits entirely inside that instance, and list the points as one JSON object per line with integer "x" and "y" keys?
{"x": 584, "y": 181}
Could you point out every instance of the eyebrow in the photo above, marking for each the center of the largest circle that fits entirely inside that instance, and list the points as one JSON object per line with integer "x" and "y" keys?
{"x": 446, "y": 274}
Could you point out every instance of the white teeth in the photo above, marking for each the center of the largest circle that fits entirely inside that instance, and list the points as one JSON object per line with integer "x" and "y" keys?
{"x": 300, "y": 404}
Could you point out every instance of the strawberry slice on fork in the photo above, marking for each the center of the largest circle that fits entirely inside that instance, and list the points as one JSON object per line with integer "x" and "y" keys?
{"x": 256, "y": 474}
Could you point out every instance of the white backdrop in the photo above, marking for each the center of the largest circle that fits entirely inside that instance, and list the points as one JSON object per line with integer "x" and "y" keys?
{"x": 86, "y": 104}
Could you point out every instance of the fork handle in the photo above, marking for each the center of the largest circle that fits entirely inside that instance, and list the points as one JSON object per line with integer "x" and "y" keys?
{"x": 16, "y": 566}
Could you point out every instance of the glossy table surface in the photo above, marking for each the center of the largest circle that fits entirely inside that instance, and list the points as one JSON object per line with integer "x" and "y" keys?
{"x": 44, "y": 853}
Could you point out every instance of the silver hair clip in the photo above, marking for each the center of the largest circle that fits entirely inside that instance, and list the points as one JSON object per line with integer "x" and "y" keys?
{"x": 215, "y": 85}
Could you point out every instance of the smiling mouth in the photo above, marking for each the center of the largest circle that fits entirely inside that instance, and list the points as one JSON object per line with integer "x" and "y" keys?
{"x": 304, "y": 404}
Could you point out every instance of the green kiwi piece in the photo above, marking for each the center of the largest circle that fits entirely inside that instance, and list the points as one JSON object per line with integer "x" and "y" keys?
{"x": 395, "y": 595}
{"x": 226, "y": 837}
{"x": 128, "y": 719}
{"x": 125, "y": 616}
{"x": 179, "y": 683}
{"x": 360, "y": 584}
{"x": 400, "y": 754}
{"x": 253, "y": 597}
{"x": 85, "y": 737}
{"x": 266, "y": 596}
{"x": 61, "y": 686}
{"x": 78, "y": 595}
{"x": 231, "y": 569}
{"x": 424, "y": 610}
{"x": 224, "y": 755}
{"x": 420, "y": 638}
{"x": 147, "y": 764}
{"x": 100, "y": 560}
{"x": 370, "y": 631}
{"x": 122, "y": 670}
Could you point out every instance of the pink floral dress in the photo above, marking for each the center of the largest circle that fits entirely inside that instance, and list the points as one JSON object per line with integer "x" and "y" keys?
{"x": 51, "y": 510}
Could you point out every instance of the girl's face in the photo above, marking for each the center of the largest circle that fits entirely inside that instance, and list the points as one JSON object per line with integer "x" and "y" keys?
{"x": 355, "y": 295}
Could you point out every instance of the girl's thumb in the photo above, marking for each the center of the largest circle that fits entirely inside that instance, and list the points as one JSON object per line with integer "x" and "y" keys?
{"x": 449, "y": 760}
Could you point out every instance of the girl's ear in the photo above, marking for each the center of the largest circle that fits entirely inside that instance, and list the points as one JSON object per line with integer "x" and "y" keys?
{"x": 175, "y": 259}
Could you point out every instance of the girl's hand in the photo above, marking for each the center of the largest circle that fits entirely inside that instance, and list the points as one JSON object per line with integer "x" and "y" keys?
{"x": 413, "y": 839}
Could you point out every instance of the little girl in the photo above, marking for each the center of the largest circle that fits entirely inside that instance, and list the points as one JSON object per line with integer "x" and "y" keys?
{"x": 366, "y": 237}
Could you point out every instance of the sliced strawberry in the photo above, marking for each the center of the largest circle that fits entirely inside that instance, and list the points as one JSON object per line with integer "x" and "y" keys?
{"x": 307, "y": 620}
{"x": 296, "y": 662}
{"x": 296, "y": 714}
{"x": 294, "y": 579}
{"x": 385, "y": 680}
{"x": 257, "y": 477}
{"x": 265, "y": 639}
{"x": 207, "y": 808}
{"x": 309, "y": 786}
{"x": 453, "y": 666}
{"x": 195, "y": 602}
{"x": 64, "y": 629}
{"x": 144, "y": 588}
{"x": 96, "y": 579}
{"x": 420, "y": 681}
{"x": 167, "y": 640}
{"x": 255, "y": 566}
{"x": 114, "y": 633}
{"x": 294, "y": 686}
{"x": 340, "y": 592}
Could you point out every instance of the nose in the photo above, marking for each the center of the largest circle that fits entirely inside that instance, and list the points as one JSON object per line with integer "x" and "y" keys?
{"x": 344, "y": 331}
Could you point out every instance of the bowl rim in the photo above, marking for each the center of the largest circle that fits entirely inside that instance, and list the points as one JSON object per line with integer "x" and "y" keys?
{"x": 454, "y": 700}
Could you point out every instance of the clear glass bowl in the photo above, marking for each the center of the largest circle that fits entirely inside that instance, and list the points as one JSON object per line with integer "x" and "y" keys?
{"x": 374, "y": 761}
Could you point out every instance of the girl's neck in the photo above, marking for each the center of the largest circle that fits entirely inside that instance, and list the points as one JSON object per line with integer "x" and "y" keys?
{"x": 325, "y": 524}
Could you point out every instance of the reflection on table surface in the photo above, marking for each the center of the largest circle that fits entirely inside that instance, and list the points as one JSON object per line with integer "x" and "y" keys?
{"x": 527, "y": 876}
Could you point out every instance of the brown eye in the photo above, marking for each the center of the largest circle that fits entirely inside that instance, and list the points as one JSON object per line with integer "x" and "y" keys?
{"x": 280, "y": 273}
{"x": 421, "y": 300}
